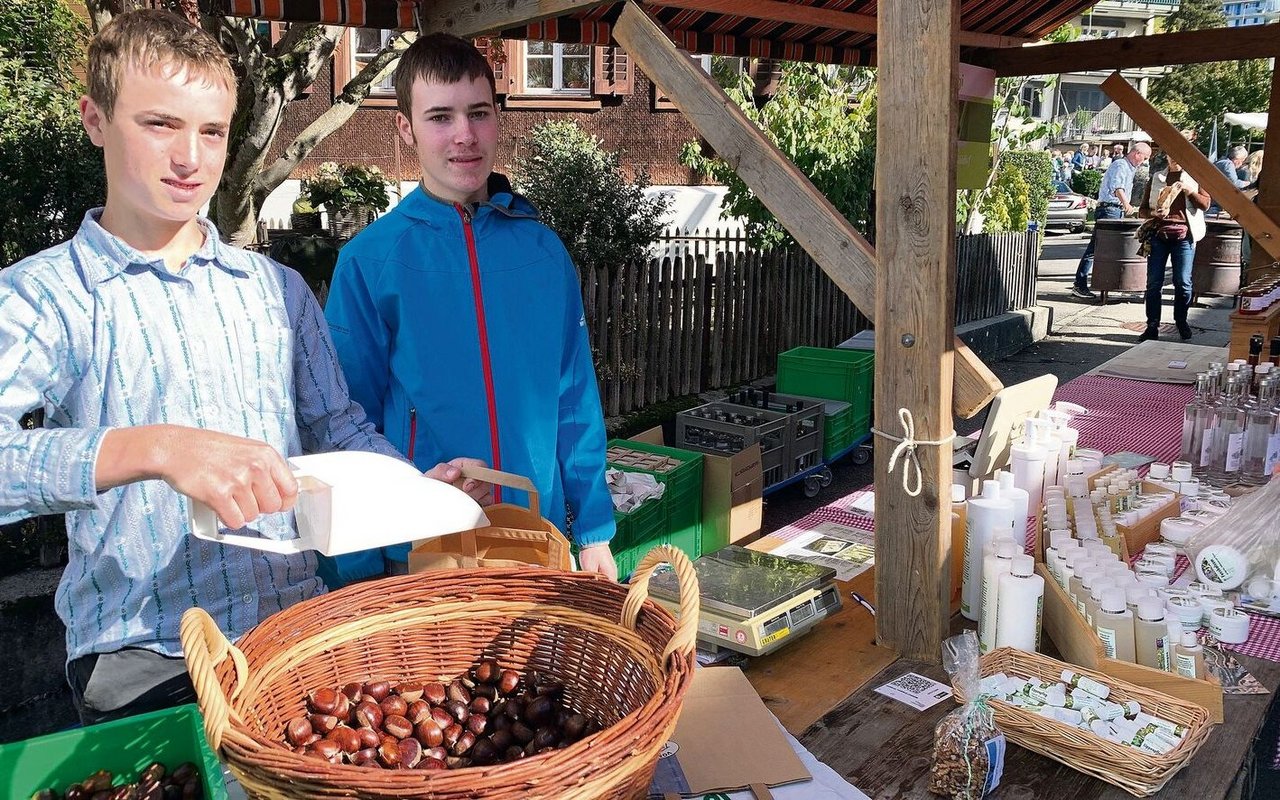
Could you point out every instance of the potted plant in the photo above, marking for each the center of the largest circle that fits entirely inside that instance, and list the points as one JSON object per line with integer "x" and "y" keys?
{"x": 351, "y": 194}
{"x": 304, "y": 218}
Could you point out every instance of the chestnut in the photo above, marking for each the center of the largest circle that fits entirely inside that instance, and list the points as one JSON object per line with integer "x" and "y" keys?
{"x": 522, "y": 733}
{"x": 393, "y": 706}
{"x": 457, "y": 762}
{"x": 540, "y": 711}
{"x": 435, "y": 694}
{"x": 501, "y": 740}
{"x": 410, "y": 753}
{"x": 377, "y": 690}
{"x": 458, "y": 692}
{"x": 458, "y": 710}
{"x": 483, "y": 752}
{"x": 441, "y": 717}
{"x": 323, "y": 723}
{"x": 369, "y": 738}
{"x": 398, "y": 726}
{"x": 432, "y": 764}
{"x": 487, "y": 690}
{"x": 369, "y": 715}
{"x": 508, "y": 681}
{"x": 410, "y": 691}
{"x": 429, "y": 733}
{"x": 437, "y": 752}
{"x": 99, "y": 781}
{"x": 155, "y": 771}
{"x": 184, "y": 772}
{"x": 296, "y": 731}
{"x": 513, "y": 709}
{"x": 543, "y": 739}
{"x": 418, "y": 711}
{"x": 368, "y": 757}
{"x": 452, "y": 734}
{"x": 514, "y": 753}
{"x": 354, "y": 691}
{"x": 323, "y": 701}
{"x": 574, "y": 726}
{"x": 389, "y": 754}
{"x": 487, "y": 670}
{"x": 343, "y": 709}
{"x": 479, "y": 705}
{"x": 326, "y": 749}
{"x": 347, "y": 738}
{"x": 477, "y": 723}
{"x": 499, "y": 722}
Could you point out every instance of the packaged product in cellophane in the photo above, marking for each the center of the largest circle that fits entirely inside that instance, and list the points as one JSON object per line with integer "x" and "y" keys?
{"x": 968, "y": 748}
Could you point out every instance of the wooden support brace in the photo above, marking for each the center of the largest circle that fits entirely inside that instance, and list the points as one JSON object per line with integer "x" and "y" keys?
{"x": 915, "y": 231}
{"x": 1269, "y": 178}
{"x": 810, "y": 217}
{"x": 1264, "y": 230}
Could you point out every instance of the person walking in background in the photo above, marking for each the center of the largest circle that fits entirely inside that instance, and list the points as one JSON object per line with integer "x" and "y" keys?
{"x": 1253, "y": 168}
{"x": 1176, "y": 205}
{"x": 1080, "y": 159}
{"x": 1232, "y": 168}
{"x": 1113, "y": 203}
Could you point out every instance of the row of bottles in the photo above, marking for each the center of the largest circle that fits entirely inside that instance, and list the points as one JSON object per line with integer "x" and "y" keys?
{"x": 1230, "y": 433}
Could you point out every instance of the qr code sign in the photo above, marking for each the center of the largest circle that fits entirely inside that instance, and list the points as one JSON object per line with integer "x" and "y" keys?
{"x": 916, "y": 690}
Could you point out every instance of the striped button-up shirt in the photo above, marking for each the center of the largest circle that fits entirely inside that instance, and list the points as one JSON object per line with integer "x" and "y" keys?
{"x": 100, "y": 337}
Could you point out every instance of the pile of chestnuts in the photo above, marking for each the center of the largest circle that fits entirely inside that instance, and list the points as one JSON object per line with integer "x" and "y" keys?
{"x": 488, "y": 716}
{"x": 153, "y": 783}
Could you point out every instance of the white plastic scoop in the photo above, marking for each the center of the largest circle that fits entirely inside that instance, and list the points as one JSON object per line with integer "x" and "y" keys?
{"x": 350, "y": 501}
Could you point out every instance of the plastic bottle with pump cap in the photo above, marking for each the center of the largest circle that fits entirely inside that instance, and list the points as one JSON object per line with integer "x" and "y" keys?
{"x": 1021, "y": 606}
{"x": 1026, "y": 461}
{"x": 987, "y": 514}
{"x": 1021, "y": 506}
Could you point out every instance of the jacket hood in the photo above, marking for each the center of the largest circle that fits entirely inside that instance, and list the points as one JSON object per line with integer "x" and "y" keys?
{"x": 421, "y": 204}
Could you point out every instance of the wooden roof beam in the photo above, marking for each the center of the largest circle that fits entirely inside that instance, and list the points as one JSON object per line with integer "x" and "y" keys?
{"x": 1263, "y": 229}
{"x": 1130, "y": 52}
{"x": 468, "y": 18}
{"x": 797, "y": 14}
{"x": 810, "y": 217}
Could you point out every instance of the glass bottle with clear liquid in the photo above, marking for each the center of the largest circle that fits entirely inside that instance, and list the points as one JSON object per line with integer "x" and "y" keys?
{"x": 1202, "y": 458}
{"x": 1260, "y": 437}
{"x": 1228, "y": 422}
{"x": 1194, "y": 419}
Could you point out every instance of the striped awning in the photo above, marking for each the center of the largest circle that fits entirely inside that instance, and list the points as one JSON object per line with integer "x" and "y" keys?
{"x": 693, "y": 29}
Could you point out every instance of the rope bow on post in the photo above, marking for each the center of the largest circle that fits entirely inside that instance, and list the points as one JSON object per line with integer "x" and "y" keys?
{"x": 907, "y": 447}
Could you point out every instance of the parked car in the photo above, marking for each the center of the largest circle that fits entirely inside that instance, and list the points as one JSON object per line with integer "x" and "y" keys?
{"x": 1067, "y": 209}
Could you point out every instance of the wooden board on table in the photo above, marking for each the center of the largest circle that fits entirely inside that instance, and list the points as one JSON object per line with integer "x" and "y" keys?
{"x": 816, "y": 672}
{"x": 1149, "y": 361}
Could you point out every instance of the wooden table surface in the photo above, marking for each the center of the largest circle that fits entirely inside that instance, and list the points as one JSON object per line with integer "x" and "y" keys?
{"x": 883, "y": 747}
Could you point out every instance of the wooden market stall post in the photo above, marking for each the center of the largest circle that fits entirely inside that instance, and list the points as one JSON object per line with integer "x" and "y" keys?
{"x": 1269, "y": 178}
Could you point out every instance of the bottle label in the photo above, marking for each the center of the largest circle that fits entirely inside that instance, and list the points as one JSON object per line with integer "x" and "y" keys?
{"x": 1108, "y": 637}
{"x": 1080, "y": 607}
{"x": 966, "y": 607}
{"x": 1039, "y": 619}
{"x": 1186, "y": 666}
{"x": 1235, "y": 449}
{"x": 1273, "y": 453}
{"x": 1206, "y": 448}
{"x": 1162, "y": 652}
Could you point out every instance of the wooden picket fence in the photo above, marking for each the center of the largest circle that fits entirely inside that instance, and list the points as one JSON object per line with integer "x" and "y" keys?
{"x": 713, "y": 313}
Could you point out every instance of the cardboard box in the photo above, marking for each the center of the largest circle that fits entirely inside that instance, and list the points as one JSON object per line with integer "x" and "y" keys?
{"x": 732, "y": 492}
{"x": 725, "y": 739}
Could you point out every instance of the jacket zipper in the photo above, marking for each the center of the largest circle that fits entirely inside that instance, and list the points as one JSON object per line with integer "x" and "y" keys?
{"x": 482, "y": 328}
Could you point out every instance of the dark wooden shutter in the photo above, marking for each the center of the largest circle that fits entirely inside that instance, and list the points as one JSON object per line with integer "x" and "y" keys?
{"x": 611, "y": 71}
{"x": 497, "y": 52}
{"x": 767, "y": 74}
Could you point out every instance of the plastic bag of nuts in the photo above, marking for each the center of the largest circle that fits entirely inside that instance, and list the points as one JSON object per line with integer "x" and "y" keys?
{"x": 968, "y": 748}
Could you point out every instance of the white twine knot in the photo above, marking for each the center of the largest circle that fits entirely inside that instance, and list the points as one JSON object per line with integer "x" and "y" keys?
{"x": 907, "y": 446}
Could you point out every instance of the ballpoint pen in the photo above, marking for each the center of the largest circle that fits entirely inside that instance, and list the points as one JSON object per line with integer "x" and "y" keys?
{"x": 862, "y": 601}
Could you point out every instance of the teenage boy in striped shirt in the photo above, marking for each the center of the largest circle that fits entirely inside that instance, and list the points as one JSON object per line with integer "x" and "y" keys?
{"x": 167, "y": 363}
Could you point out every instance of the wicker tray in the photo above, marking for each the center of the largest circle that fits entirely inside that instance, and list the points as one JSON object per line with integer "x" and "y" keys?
{"x": 1131, "y": 769}
{"x": 623, "y": 660}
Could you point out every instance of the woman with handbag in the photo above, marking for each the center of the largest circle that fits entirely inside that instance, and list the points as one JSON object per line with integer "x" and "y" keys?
{"x": 1176, "y": 205}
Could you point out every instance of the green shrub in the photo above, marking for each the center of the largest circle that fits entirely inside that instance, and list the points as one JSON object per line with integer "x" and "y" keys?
{"x": 50, "y": 172}
{"x": 1007, "y": 207}
{"x": 1086, "y": 182}
{"x": 582, "y": 194}
{"x": 1036, "y": 168}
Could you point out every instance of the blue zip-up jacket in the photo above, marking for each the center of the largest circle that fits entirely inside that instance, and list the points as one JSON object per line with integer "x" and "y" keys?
{"x": 469, "y": 320}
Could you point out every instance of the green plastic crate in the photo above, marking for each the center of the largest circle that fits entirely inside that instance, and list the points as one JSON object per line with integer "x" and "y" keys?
{"x": 684, "y": 520}
{"x": 622, "y": 537}
{"x": 124, "y": 747}
{"x": 838, "y": 435}
{"x": 831, "y": 374}
{"x": 682, "y": 499}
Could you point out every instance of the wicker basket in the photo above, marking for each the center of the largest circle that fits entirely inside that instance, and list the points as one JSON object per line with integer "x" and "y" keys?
{"x": 624, "y": 661}
{"x": 1131, "y": 769}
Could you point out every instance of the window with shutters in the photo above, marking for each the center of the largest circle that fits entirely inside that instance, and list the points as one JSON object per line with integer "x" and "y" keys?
{"x": 356, "y": 48}
{"x": 555, "y": 68}
{"x": 558, "y": 76}
{"x": 726, "y": 71}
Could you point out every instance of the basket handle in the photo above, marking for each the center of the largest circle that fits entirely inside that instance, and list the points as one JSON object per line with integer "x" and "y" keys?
{"x": 205, "y": 647}
{"x": 684, "y": 640}
{"x": 508, "y": 479}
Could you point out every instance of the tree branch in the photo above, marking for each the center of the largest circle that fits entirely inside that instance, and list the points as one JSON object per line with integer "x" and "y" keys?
{"x": 100, "y": 13}
{"x": 344, "y": 105}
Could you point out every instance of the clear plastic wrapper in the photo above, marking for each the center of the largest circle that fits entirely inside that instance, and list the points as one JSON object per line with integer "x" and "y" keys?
{"x": 968, "y": 748}
{"x": 1241, "y": 548}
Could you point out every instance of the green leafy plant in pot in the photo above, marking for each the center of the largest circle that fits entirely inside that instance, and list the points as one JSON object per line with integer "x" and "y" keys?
{"x": 351, "y": 194}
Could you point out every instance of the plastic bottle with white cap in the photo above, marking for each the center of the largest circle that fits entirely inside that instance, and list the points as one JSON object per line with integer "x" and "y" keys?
{"x": 1026, "y": 461}
{"x": 988, "y": 514}
{"x": 1021, "y": 505}
{"x": 1052, "y": 443}
{"x": 993, "y": 566}
{"x": 1021, "y": 605}
{"x": 1114, "y": 624}
{"x": 1093, "y": 602}
{"x": 1151, "y": 635}
{"x": 1189, "y": 656}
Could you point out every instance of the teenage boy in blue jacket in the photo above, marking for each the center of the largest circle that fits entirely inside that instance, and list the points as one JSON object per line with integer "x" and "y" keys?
{"x": 458, "y": 316}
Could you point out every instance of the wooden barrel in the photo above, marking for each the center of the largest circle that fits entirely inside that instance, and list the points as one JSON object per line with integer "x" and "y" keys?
{"x": 1117, "y": 267}
{"x": 1216, "y": 267}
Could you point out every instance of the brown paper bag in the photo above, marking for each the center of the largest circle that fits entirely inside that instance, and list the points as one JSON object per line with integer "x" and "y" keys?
{"x": 516, "y": 536}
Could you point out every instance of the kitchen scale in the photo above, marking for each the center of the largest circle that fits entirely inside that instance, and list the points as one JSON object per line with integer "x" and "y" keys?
{"x": 753, "y": 602}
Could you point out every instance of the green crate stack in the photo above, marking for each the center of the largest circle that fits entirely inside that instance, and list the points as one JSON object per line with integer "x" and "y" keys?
{"x": 838, "y": 434}
{"x": 647, "y": 528}
{"x": 124, "y": 747}
{"x": 831, "y": 374}
{"x": 683, "y": 496}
